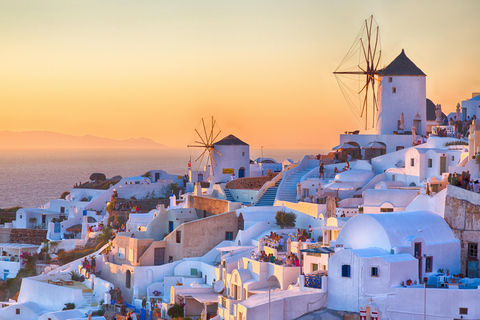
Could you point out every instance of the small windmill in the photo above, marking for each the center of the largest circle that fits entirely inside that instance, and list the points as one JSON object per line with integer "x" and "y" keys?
{"x": 367, "y": 47}
{"x": 206, "y": 139}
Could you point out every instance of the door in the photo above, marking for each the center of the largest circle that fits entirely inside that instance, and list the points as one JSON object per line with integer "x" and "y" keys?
{"x": 157, "y": 176}
{"x": 443, "y": 164}
{"x": 57, "y": 228}
{"x": 200, "y": 177}
{"x": 241, "y": 172}
{"x": 5, "y": 274}
{"x": 418, "y": 255}
{"x": 44, "y": 219}
{"x": 170, "y": 226}
{"x": 159, "y": 255}
{"x": 472, "y": 269}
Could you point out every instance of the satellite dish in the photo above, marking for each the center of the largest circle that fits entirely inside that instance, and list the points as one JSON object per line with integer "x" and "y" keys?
{"x": 219, "y": 286}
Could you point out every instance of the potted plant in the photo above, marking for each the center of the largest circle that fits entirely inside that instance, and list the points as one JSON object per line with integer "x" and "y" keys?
{"x": 448, "y": 272}
{"x": 157, "y": 313}
{"x": 409, "y": 282}
{"x": 403, "y": 284}
{"x": 440, "y": 270}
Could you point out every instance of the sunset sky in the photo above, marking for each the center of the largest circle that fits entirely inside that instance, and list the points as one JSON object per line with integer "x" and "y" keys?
{"x": 263, "y": 69}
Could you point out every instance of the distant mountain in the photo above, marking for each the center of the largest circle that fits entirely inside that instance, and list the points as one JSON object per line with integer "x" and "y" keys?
{"x": 53, "y": 140}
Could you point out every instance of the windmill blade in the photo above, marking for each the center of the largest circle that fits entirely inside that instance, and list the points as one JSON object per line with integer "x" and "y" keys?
{"x": 211, "y": 156}
{"x": 216, "y": 136}
{"x": 201, "y": 155}
{"x": 200, "y": 136}
{"x": 200, "y": 163}
{"x": 211, "y": 131}
{"x": 205, "y": 130}
{"x": 217, "y": 152}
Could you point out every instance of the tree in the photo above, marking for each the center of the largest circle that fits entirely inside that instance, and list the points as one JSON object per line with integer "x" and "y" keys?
{"x": 169, "y": 189}
{"x": 285, "y": 219}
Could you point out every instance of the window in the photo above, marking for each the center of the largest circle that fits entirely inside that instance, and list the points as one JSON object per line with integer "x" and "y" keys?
{"x": 472, "y": 250}
{"x": 412, "y": 162}
{"x": 243, "y": 154}
{"x": 463, "y": 310}
{"x": 374, "y": 272}
{"x": 229, "y": 235}
{"x": 170, "y": 226}
{"x": 400, "y": 148}
{"x": 418, "y": 249}
{"x": 179, "y": 237}
{"x": 62, "y": 209}
{"x": 346, "y": 271}
{"x": 394, "y": 90}
{"x": 453, "y": 158}
{"x": 430, "y": 163}
{"x": 17, "y": 311}
{"x": 393, "y": 177}
{"x": 428, "y": 264}
{"x": 390, "y": 79}
{"x": 128, "y": 279}
{"x": 314, "y": 267}
{"x": 386, "y": 209}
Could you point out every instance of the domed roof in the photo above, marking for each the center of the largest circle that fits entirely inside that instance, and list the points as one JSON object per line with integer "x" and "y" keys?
{"x": 355, "y": 175}
{"x": 402, "y": 66}
{"x": 389, "y": 230}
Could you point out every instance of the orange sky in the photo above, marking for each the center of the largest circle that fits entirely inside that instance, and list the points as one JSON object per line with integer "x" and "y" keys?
{"x": 263, "y": 69}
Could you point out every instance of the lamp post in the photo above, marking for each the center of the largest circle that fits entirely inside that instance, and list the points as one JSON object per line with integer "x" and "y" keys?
{"x": 425, "y": 280}
{"x": 268, "y": 296}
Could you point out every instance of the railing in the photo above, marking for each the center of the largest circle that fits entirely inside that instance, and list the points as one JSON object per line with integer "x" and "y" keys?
{"x": 272, "y": 182}
{"x": 450, "y": 130}
{"x": 313, "y": 282}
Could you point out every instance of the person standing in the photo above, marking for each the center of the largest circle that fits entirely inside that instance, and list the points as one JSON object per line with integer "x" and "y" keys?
{"x": 321, "y": 171}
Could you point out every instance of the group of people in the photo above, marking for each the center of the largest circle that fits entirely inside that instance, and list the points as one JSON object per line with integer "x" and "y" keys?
{"x": 274, "y": 240}
{"x": 89, "y": 266}
{"x": 464, "y": 181}
{"x": 292, "y": 260}
{"x": 420, "y": 140}
{"x": 304, "y": 236}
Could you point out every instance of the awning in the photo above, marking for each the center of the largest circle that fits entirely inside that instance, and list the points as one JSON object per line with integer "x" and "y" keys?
{"x": 345, "y": 146}
{"x": 205, "y": 298}
{"x": 374, "y": 145}
{"x": 75, "y": 228}
{"x": 318, "y": 250}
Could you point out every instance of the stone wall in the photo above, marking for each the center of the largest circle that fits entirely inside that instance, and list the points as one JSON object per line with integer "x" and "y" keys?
{"x": 209, "y": 206}
{"x": 462, "y": 213}
{"x": 200, "y": 236}
{"x": 254, "y": 183}
{"x": 30, "y": 236}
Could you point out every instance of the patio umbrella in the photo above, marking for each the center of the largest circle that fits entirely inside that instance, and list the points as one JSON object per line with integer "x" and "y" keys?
{"x": 374, "y": 145}
{"x": 345, "y": 146}
{"x": 339, "y": 185}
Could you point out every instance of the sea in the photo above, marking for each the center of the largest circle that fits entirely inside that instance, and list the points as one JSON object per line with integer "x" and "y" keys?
{"x": 31, "y": 178}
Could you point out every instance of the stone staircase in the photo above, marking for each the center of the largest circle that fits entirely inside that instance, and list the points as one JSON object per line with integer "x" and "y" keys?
{"x": 288, "y": 191}
{"x": 229, "y": 196}
{"x": 268, "y": 198}
{"x": 90, "y": 297}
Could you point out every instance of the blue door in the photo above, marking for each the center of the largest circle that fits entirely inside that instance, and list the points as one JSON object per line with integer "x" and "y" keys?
{"x": 5, "y": 274}
{"x": 57, "y": 227}
{"x": 241, "y": 172}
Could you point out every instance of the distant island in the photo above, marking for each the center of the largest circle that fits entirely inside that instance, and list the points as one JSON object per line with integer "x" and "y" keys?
{"x": 54, "y": 140}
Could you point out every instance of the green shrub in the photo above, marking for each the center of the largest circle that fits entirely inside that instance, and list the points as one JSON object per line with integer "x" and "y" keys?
{"x": 69, "y": 306}
{"x": 175, "y": 311}
{"x": 285, "y": 219}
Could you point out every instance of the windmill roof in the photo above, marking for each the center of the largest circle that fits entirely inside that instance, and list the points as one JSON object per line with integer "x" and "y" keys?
{"x": 230, "y": 140}
{"x": 402, "y": 66}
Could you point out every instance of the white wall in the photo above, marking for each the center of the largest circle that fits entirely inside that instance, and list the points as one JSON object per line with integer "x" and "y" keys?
{"x": 409, "y": 98}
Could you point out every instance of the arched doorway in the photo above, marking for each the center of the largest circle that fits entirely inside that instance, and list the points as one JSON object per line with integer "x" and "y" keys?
{"x": 128, "y": 279}
{"x": 241, "y": 172}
